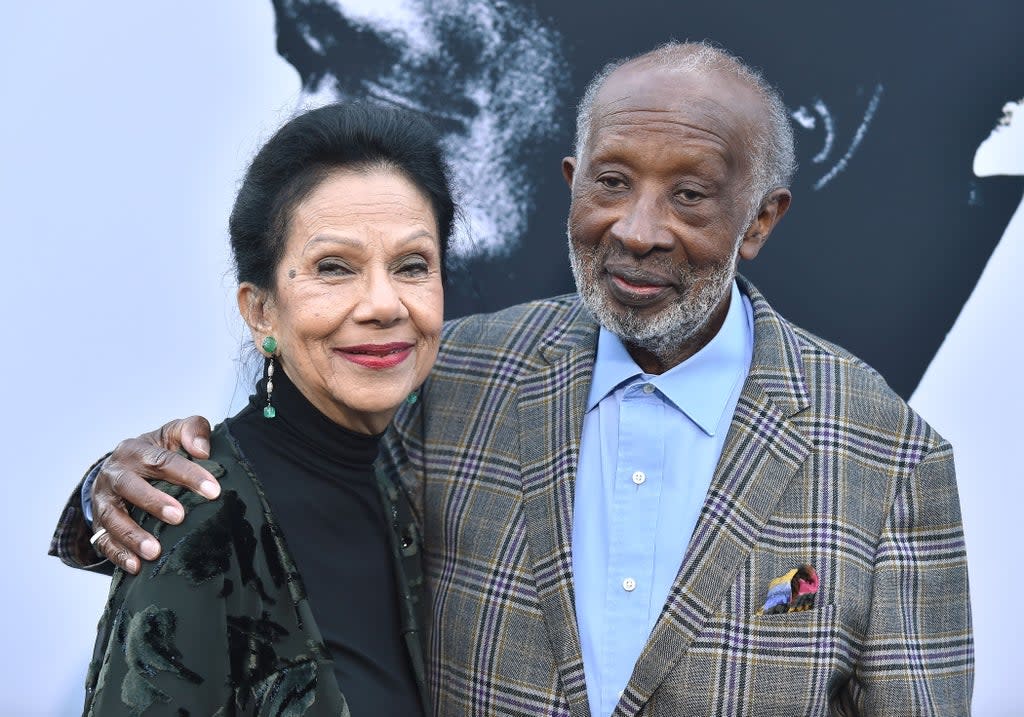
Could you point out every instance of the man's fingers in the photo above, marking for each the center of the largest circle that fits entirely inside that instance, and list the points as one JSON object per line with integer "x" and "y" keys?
{"x": 137, "y": 458}
{"x": 195, "y": 436}
{"x": 116, "y": 486}
{"x": 192, "y": 434}
{"x": 124, "y": 479}
{"x": 124, "y": 541}
{"x": 118, "y": 554}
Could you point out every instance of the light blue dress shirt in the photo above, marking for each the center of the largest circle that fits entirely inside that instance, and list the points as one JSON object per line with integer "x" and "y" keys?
{"x": 649, "y": 448}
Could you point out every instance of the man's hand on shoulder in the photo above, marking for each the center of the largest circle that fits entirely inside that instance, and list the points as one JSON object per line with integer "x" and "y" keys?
{"x": 124, "y": 480}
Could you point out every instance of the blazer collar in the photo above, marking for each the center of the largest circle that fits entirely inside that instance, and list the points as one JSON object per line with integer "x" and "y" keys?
{"x": 575, "y": 334}
{"x": 777, "y": 365}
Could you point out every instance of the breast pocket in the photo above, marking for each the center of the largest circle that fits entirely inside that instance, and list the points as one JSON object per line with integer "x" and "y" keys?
{"x": 784, "y": 664}
{"x": 808, "y": 637}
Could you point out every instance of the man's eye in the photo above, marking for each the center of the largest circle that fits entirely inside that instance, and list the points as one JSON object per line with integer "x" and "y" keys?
{"x": 611, "y": 182}
{"x": 689, "y": 195}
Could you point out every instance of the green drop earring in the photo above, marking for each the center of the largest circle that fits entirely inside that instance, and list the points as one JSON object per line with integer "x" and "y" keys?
{"x": 413, "y": 397}
{"x": 270, "y": 346}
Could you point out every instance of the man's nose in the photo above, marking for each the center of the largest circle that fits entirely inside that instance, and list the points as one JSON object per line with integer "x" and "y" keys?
{"x": 641, "y": 227}
{"x": 381, "y": 301}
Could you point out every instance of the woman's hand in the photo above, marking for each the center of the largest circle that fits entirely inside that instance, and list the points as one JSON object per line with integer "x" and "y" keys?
{"x": 124, "y": 479}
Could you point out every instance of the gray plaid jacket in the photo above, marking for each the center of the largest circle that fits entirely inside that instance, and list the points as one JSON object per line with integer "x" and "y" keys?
{"x": 823, "y": 464}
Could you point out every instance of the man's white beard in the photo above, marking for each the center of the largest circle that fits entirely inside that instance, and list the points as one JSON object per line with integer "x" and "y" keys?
{"x": 666, "y": 332}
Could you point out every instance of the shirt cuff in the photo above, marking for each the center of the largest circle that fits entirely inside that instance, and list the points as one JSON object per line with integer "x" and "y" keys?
{"x": 90, "y": 478}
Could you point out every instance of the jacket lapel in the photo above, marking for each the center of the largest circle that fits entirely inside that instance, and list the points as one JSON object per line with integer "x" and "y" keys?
{"x": 552, "y": 402}
{"x": 762, "y": 452}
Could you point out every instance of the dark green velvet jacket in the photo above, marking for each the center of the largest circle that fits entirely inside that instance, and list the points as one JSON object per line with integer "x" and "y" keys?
{"x": 220, "y": 624}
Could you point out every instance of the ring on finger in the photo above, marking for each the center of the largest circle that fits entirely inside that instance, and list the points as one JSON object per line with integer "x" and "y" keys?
{"x": 97, "y": 535}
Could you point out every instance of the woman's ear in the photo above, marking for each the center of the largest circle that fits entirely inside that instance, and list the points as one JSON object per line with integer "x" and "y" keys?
{"x": 256, "y": 306}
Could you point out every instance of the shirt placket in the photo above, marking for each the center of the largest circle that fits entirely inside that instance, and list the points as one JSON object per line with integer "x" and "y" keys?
{"x": 637, "y": 495}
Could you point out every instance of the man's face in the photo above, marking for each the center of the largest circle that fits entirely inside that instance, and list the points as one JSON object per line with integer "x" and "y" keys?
{"x": 660, "y": 207}
{"x": 490, "y": 75}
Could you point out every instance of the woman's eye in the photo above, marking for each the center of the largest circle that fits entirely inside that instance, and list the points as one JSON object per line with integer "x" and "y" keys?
{"x": 333, "y": 267}
{"x": 413, "y": 267}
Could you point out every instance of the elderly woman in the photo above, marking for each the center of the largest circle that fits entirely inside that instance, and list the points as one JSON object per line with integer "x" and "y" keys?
{"x": 295, "y": 593}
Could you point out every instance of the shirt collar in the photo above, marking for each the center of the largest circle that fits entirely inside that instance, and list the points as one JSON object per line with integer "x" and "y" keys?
{"x": 702, "y": 385}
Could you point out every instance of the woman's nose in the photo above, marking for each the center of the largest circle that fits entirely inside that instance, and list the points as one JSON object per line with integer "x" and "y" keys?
{"x": 382, "y": 302}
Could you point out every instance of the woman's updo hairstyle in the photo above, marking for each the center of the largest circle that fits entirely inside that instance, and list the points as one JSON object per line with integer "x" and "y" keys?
{"x": 300, "y": 155}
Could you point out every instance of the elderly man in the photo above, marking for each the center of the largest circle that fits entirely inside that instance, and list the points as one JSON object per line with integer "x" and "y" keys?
{"x": 610, "y": 482}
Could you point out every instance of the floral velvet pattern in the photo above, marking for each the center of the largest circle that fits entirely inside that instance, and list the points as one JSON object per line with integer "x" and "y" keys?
{"x": 220, "y": 624}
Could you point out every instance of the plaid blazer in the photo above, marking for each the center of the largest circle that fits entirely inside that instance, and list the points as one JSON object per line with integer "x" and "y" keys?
{"x": 823, "y": 464}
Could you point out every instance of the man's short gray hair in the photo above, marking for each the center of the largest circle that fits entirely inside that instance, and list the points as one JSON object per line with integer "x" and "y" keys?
{"x": 772, "y": 158}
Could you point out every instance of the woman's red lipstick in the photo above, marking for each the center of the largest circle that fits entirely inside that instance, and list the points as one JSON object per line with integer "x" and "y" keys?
{"x": 377, "y": 356}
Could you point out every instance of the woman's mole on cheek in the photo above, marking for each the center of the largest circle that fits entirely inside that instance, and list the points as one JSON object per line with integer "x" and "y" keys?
{"x": 291, "y": 273}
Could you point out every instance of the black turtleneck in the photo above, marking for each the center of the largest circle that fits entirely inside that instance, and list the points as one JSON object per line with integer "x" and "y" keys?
{"x": 319, "y": 481}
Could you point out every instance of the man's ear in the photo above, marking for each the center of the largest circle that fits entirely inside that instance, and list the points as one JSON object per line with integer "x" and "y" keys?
{"x": 256, "y": 307}
{"x": 774, "y": 206}
{"x": 568, "y": 169}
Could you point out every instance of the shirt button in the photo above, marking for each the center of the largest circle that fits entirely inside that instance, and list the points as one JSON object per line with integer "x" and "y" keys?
{"x": 648, "y": 388}
{"x": 629, "y": 585}
{"x": 639, "y": 477}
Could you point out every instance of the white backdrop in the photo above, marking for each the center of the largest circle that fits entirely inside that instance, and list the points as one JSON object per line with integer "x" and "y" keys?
{"x": 125, "y": 129}
{"x": 973, "y": 393}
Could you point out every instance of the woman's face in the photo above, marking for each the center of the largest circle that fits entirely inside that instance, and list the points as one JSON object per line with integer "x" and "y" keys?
{"x": 358, "y": 304}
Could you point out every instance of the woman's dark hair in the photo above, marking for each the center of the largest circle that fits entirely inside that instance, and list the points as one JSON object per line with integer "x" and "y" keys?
{"x": 300, "y": 155}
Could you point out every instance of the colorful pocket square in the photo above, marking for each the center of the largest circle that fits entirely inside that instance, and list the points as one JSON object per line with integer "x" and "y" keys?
{"x": 792, "y": 592}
